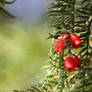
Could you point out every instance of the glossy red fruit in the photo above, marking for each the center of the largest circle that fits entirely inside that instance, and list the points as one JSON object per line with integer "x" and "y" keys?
{"x": 69, "y": 64}
{"x": 60, "y": 43}
{"x": 76, "y": 60}
{"x": 65, "y": 36}
{"x": 75, "y": 41}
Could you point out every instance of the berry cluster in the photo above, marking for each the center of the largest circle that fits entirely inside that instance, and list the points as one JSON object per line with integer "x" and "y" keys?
{"x": 70, "y": 63}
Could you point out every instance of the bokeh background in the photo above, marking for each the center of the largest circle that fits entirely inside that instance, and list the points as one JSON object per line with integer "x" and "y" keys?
{"x": 23, "y": 45}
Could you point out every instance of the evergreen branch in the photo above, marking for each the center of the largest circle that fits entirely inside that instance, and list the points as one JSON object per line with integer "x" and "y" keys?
{"x": 89, "y": 31}
{"x": 5, "y": 12}
{"x": 61, "y": 71}
{"x": 6, "y": 2}
{"x": 73, "y": 16}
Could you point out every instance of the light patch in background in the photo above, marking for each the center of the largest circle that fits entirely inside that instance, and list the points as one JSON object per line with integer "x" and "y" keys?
{"x": 29, "y": 10}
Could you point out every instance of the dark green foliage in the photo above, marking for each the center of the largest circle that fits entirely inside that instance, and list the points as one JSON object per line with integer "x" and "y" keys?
{"x": 69, "y": 16}
{"x": 76, "y": 17}
{"x": 3, "y": 10}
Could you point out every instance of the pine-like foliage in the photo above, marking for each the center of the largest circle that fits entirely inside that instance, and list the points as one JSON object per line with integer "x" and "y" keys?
{"x": 69, "y": 16}
{"x": 3, "y": 10}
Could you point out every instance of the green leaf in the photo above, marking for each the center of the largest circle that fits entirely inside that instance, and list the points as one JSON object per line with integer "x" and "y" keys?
{"x": 83, "y": 50}
{"x": 35, "y": 89}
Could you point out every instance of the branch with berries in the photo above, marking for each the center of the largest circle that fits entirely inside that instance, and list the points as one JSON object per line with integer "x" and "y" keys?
{"x": 72, "y": 61}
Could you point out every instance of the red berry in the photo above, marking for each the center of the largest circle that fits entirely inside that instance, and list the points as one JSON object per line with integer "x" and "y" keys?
{"x": 75, "y": 41}
{"x": 64, "y": 36}
{"x": 69, "y": 64}
{"x": 76, "y": 60}
{"x": 60, "y": 43}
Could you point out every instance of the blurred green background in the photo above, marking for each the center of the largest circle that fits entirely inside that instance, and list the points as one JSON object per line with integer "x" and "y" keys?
{"x": 23, "y": 52}
{"x": 23, "y": 45}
